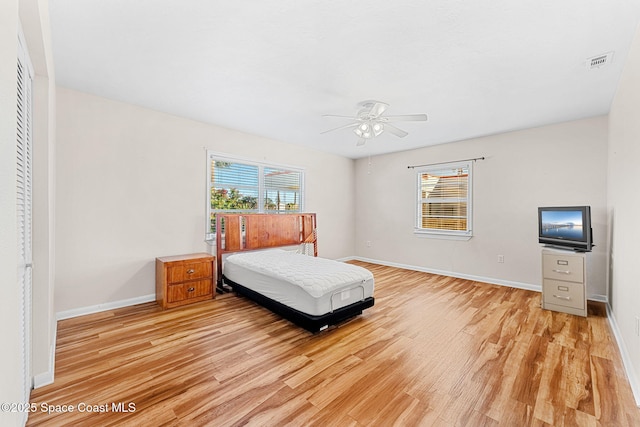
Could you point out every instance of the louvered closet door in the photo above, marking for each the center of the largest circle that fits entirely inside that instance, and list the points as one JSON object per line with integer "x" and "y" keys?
{"x": 24, "y": 202}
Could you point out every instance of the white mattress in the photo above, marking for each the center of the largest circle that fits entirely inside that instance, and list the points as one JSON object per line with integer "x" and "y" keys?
{"x": 311, "y": 285}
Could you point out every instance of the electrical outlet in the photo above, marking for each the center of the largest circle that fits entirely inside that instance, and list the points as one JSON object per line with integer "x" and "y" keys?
{"x": 368, "y": 243}
{"x": 637, "y": 326}
{"x": 501, "y": 259}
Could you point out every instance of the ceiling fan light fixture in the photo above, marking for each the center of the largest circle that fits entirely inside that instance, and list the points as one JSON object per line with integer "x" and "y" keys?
{"x": 363, "y": 134}
{"x": 368, "y": 130}
{"x": 369, "y": 122}
{"x": 363, "y": 130}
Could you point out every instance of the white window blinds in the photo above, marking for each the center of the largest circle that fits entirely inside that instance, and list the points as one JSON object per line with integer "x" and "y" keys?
{"x": 281, "y": 190}
{"x": 234, "y": 186}
{"x": 444, "y": 199}
{"x": 240, "y": 185}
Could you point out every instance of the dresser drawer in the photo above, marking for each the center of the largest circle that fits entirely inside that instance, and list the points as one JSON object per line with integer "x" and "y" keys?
{"x": 562, "y": 293}
{"x": 189, "y": 271}
{"x": 185, "y": 291}
{"x": 563, "y": 267}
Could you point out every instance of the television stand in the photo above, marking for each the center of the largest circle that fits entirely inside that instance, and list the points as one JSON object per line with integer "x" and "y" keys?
{"x": 564, "y": 281}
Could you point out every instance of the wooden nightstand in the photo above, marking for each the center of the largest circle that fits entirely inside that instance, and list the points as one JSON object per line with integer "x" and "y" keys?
{"x": 184, "y": 279}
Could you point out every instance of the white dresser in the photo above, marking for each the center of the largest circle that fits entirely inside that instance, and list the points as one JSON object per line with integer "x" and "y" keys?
{"x": 564, "y": 281}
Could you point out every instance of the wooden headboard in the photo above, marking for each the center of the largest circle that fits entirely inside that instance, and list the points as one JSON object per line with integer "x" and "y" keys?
{"x": 248, "y": 232}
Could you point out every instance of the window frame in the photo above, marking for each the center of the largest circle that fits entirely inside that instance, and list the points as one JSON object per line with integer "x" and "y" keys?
{"x": 444, "y": 233}
{"x": 222, "y": 157}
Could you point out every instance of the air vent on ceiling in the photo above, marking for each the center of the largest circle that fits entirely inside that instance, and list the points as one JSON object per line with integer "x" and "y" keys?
{"x": 599, "y": 61}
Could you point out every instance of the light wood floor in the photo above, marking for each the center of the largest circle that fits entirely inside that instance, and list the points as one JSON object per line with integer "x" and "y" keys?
{"x": 432, "y": 351}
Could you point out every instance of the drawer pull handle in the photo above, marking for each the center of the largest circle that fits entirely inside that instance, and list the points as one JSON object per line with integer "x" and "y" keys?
{"x": 191, "y": 289}
{"x": 190, "y": 271}
{"x": 562, "y": 297}
{"x": 561, "y": 271}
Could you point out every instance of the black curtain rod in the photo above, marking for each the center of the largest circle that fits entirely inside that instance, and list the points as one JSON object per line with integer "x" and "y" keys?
{"x": 442, "y": 163}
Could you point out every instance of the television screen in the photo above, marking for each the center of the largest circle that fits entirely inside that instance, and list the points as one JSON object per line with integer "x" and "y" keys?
{"x": 568, "y": 226}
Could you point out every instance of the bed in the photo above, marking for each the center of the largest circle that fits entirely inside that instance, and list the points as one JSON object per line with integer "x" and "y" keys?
{"x": 294, "y": 282}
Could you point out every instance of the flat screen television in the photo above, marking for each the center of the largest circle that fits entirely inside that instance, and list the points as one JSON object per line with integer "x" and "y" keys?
{"x": 566, "y": 227}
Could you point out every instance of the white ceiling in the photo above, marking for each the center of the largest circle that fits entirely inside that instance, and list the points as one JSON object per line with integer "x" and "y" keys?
{"x": 274, "y": 67}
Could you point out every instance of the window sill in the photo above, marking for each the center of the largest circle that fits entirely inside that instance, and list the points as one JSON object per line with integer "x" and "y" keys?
{"x": 442, "y": 235}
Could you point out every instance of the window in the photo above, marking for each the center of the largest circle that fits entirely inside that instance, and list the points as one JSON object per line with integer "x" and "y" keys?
{"x": 238, "y": 185}
{"x": 444, "y": 200}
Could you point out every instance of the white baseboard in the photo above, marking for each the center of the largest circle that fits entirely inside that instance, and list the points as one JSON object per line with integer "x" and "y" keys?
{"x": 67, "y": 314}
{"x": 46, "y": 378}
{"x": 626, "y": 357}
{"x": 491, "y": 280}
{"x": 599, "y": 298}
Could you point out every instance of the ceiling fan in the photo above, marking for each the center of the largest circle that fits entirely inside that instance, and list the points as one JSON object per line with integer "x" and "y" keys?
{"x": 370, "y": 121}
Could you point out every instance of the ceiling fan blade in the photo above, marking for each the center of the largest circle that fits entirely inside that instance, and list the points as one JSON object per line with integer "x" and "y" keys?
{"x": 350, "y": 125}
{"x": 408, "y": 118}
{"x": 378, "y": 108}
{"x": 361, "y": 142}
{"x": 395, "y": 131}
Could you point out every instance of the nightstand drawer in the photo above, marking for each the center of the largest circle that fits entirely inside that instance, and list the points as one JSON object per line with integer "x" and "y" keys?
{"x": 189, "y": 271}
{"x": 185, "y": 291}
{"x": 563, "y": 267}
{"x": 566, "y": 294}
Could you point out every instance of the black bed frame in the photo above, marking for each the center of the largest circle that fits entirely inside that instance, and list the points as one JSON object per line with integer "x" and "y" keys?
{"x": 246, "y": 232}
{"x": 309, "y": 322}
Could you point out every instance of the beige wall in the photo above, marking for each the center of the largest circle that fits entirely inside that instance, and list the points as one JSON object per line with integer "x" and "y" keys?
{"x": 624, "y": 211}
{"x": 131, "y": 186}
{"x": 563, "y": 164}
